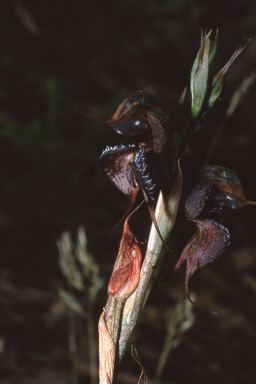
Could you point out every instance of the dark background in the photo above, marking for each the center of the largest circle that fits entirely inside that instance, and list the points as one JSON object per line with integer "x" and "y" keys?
{"x": 87, "y": 56}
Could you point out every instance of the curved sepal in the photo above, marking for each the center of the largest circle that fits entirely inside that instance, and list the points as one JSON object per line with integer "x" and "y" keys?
{"x": 206, "y": 245}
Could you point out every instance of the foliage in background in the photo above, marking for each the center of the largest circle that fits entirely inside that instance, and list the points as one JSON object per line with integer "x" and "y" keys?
{"x": 82, "y": 274}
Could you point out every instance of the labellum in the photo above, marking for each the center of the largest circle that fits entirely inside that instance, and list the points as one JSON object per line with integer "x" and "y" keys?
{"x": 217, "y": 188}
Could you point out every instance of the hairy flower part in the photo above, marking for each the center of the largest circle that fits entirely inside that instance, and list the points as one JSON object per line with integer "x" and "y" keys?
{"x": 126, "y": 273}
{"x": 217, "y": 188}
{"x": 143, "y": 175}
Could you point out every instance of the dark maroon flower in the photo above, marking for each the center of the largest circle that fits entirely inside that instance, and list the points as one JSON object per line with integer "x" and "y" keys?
{"x": 217, "y": 188}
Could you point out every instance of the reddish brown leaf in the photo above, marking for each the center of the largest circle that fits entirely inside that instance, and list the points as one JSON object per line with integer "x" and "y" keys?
{"x": 126, "y": 273}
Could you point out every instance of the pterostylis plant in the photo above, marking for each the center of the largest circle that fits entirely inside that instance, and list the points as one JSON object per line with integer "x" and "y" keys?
{"x": 153, "y": 165}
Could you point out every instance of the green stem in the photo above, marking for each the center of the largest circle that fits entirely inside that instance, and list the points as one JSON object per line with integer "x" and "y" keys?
{"x": 113, "y": 316}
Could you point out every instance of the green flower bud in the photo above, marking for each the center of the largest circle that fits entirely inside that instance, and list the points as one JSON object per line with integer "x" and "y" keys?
{"x": 201, "y": 71}
{"x": 199, "y": 76}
